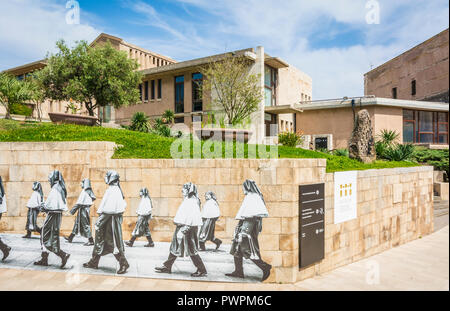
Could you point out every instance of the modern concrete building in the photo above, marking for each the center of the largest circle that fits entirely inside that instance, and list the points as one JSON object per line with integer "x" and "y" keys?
{"x": 171, "y": 85}
{"x": 418, "y": 122}
{"x": 421, "y": 73}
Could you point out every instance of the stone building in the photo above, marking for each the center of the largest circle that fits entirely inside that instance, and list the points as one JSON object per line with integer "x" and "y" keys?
{"x": 421, "y": 73}
{"x": 171, "y": 85}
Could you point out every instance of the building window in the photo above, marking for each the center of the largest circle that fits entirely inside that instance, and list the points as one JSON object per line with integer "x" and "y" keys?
{"x": 270, "y": 83}
{"x": 197, "y": 81}
{"x": 140, "y": 91}
{"x": 159, "y": 88}
{"x": 153, "y": 89}
{"x": 179, "y": 94}
{"x": 425, "y": 127}
{"x": 394, "y": 93}
{"x": 413, "y": 87}
{"x": 179, "y": 120}
{"x": 146, "y": 90}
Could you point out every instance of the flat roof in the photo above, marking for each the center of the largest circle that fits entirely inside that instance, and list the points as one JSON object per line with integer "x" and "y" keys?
{"x": 33, "y": 65}
{"x": 372, "y": 101}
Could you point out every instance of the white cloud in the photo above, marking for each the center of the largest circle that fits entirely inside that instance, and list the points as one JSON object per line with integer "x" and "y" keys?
{"x": 30, "y": 28}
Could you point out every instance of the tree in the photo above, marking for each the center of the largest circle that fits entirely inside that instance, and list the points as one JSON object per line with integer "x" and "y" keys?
{"x": 232, "y": 87}
{"x": 13, "y": 92}
{"x": 95, "y": 77}
{"x": 37, "y": 95}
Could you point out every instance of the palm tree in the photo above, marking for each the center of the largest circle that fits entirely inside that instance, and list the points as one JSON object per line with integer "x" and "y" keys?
{"x": 168, "y": 116}
{"x": 13, "y": 91}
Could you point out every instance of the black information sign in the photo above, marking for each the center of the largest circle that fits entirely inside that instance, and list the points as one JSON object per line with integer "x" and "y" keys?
{"x": 312, "y": 224}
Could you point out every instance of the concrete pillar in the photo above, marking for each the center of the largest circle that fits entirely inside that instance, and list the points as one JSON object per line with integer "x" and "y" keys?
{"x": 258, "y": 116}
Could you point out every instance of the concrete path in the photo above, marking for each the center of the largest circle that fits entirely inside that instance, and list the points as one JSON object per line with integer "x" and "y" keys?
{"x": 419, "y": 265}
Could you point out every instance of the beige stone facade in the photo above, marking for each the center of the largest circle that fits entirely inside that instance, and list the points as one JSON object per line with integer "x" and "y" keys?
{"x": 421, "y": 73}
{"x": 394, "y": 205}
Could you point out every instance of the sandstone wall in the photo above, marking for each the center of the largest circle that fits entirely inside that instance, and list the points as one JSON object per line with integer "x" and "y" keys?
{"x": 395, "y": 205}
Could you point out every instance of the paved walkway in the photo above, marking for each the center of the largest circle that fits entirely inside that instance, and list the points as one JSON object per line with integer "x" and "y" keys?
{"x": 419, "y": 265}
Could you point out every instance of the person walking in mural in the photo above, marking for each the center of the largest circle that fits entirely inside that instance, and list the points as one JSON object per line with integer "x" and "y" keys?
{"x": 54, "y": 206}
{"x": 3, "y": 247}
{"x": 245, "y": 242}
{"x": 210, "y": 214}
{"x": 82, "y": 225}
{"x": 34, "y": 204}
{"x": 108, "y": 228}
{"x": 185, "y": 238}
{"x": 144, "y": 213}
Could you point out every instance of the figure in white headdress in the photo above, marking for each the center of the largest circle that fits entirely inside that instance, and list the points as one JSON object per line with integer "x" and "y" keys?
{"x": 245, "y": 242}
{"x": 144, "y": 213}
{"x": 3, "y": 247}
{"x": 34, "y": 204}
{"x": 185, "y": 238}
{"x": 54, "y": 206}
{"x": 108, "y": 228}
{"x": 82, "y": 225}
{"x": 210, "y": 214}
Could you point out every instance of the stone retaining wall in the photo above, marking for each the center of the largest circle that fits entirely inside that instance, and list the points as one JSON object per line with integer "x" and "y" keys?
{"x": 395, "y": 205}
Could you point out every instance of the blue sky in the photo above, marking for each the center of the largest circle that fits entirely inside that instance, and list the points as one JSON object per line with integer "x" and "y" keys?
{"x": 329, "y": 40}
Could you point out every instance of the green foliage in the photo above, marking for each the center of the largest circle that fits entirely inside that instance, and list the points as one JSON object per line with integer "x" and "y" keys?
{"x": 96, "y": 77}
{"x": 289, "y": 139}
{"x": 399, "y": 152}
{"x": 13, "y": 93}
{"x": 388, "y": 137}
{"x": 160, "y": 128}
{"x": 140, "y": 122}
{"x": 168, "y": 116}
{"x": 236, "y": 91}
{"x": 21, "y": 109}
{"x": 341, "y": 153}
{"x": 137, "y": 145}
{"x": 439, "y": 159}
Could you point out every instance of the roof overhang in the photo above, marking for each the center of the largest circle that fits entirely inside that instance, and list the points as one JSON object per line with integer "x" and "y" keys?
{"x": 27, "y": 67}
{"x": 275, "y": 62}
{"x": 374, "y": 101}
{"x": 283, "y": 109}
{"x": 195, "y": 63}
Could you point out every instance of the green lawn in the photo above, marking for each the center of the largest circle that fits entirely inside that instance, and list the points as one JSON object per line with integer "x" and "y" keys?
{"x": 149, "y": 146}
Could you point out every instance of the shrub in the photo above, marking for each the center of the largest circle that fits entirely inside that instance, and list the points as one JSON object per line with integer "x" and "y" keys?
{"x": 289, "y": 139}
{"x": 168, "y": 116}
{"x": 21, "y": 109}
{"x": 399, "y": 152}
{"x": 388, "y": 137}
{"x": 439, "y": 159}
{"x": 341, "y": 153}
{"x": 140, "y": 123}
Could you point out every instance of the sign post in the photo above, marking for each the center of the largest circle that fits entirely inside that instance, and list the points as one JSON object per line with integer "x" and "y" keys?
{"x": 312, "y": 224}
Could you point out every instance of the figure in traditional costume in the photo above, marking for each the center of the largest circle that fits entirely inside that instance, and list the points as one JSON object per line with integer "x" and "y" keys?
{"x": 3, "y": 247}
{"x": 108, "y": 228}
{"x": 185, "y": 238}
{"x": 82, "y": 224}
{"x": 34, "y": 205}
{"x": 210, "y": 214}
{"x": 144, "y": 213}
{"x": 54, "y": 206}
{"x": 245, "y": 242}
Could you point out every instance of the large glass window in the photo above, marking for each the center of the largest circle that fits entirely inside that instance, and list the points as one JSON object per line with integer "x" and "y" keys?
{"x": 146, "y": 90}
{"x": 140, "y": 91}
{"x": 270, "y": 84}
{"x": 153, "y": 89}
{"x": 179, "y": 94}
{"x": 197, "y": 102}
{"x": 425, "y": 127}
{"x": 159, "y": 88}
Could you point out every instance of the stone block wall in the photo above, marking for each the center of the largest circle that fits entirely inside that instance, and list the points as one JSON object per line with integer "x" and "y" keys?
{"x": 394, "y": 205}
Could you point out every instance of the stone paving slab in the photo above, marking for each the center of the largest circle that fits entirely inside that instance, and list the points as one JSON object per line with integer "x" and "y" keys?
{"x": 142, "y": 261}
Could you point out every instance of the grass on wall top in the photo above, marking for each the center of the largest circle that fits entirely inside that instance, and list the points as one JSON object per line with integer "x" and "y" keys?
{"x": 135, "y": 145}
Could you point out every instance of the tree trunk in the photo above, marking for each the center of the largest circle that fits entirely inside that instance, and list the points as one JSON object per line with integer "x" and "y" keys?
{"x": 8, "y": 112}
{"x": 90, "y": 108}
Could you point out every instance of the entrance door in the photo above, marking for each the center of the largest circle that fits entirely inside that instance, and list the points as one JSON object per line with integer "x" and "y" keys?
{"x": 270, "y": 119}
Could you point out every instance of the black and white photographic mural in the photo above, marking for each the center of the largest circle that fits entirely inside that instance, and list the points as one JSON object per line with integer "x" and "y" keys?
{"x": 34, "y": 205}
{"x": 3, "y": 247}
{"x": 196, "y": 224}
{"x": 185, "y": 238}
{"x": 108, "y": 228}
{"x": 54, "y": 206}
{"x": 82, "y": 225}
{"x": 144, "y": 213}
